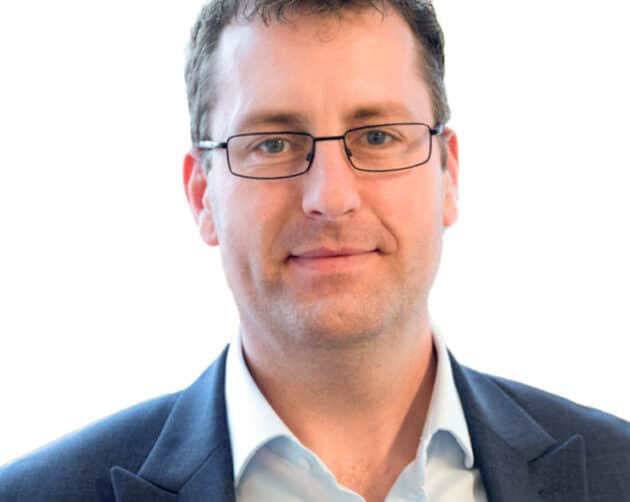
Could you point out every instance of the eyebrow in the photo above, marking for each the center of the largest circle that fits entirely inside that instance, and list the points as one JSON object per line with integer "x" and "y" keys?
{"x": 295, "y": 120}
{"x": 389, "y": 109}
{"x": 271, "y": 118}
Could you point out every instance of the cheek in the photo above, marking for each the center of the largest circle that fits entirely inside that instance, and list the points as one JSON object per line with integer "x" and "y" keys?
{"x": 252, "y": 216}
{"x": 411, "y": 209}
{"x": 414, "y": 202}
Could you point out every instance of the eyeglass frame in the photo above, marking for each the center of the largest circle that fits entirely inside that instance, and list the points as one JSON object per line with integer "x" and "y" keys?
{"x": 210, "y": 145}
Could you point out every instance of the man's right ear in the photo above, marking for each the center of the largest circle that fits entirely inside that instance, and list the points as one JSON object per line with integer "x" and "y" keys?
{"x": 195, "y": 184}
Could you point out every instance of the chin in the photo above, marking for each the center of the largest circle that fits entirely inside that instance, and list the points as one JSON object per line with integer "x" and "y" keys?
{"x": 334, "y": 326}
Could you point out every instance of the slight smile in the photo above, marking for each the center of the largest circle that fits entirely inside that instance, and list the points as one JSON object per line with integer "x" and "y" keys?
{"x": 331, "y": 260}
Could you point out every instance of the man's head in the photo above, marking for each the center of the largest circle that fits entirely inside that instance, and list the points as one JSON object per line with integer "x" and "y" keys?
{"x": 335, "y": 256}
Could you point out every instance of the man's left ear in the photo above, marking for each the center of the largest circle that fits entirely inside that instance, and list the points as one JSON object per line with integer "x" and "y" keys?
{"x": 451, "y": 178}
{"x": 195, "y": 186}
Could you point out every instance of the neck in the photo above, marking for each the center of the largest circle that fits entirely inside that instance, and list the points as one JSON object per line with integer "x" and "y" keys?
{"x": 360, "y": 409}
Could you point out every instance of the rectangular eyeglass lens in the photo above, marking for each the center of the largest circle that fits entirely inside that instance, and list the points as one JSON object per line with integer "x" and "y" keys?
{"x": 390, "y": 147}
{"x": 269, "y": 154}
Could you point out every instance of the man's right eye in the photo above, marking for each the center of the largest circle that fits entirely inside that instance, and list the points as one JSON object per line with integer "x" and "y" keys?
{"x": 273, "y": 145}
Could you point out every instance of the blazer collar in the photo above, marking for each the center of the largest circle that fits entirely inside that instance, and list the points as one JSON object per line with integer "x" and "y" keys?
{"x": 518, "y": 460}
{"x": 191, "y": 459}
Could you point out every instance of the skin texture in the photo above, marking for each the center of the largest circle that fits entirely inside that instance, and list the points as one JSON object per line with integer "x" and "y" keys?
{"x": 327, "y": 339}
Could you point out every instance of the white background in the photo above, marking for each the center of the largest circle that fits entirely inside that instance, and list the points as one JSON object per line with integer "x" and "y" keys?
{"x": 108, "y": 296}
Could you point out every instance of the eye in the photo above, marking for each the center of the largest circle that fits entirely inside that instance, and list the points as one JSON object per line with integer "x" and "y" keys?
{"x": 273, "y": 145}
{"x": 376, "y": 137}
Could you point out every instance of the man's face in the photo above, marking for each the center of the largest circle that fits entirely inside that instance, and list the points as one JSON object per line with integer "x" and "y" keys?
{"x": 336, "y": 255}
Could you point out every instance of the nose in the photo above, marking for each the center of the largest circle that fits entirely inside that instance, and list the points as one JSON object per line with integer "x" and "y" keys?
{"x": 330, "y": 187}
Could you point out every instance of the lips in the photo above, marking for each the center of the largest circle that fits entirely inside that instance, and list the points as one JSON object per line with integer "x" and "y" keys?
{"x": 323, "y": 252}
{"x": 327, "y": 262}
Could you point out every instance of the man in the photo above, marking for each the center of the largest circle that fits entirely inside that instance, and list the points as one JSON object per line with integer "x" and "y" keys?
{"x": 323, "y": 170}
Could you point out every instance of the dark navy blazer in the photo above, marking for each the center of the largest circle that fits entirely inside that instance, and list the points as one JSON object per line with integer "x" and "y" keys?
{"x": 530, "y": 446}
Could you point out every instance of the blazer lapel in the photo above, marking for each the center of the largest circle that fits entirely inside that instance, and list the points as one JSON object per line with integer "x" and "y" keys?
{"x": 518, "y": 460}
{"x": 128, "y": 487}
{"x": 191, "y": 459}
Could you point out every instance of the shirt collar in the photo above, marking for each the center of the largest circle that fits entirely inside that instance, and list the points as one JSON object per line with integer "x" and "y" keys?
{"x": 244, "y": 399}
{"x": 446, "y": 412}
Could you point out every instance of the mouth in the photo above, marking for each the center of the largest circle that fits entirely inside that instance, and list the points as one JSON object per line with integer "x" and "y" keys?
{"x": 321, "y": 253}
{"x": 326, "y": 260}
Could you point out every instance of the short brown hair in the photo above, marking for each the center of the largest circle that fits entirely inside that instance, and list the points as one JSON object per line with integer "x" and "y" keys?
{"x": 217, "y": 14}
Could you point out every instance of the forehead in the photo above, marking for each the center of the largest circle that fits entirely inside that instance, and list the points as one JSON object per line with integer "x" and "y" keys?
{"x": 321, "y": 69}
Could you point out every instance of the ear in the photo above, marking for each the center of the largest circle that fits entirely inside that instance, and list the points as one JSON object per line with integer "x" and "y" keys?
{"x": 195, "y": 186}
{"x": 451, "y": 178}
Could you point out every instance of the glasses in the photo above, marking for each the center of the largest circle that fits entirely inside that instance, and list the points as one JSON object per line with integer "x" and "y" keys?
{"x": 286, "y": 154}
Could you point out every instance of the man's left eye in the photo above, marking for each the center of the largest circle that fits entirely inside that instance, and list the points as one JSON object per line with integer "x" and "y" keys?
{"x": 377, "y": 137}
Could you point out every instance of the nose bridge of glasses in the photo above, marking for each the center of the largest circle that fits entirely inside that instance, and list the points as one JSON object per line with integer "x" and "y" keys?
{"x": 316, "y": 139}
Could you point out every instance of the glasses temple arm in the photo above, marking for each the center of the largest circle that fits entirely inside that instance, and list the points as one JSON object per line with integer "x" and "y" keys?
{"x": 438, "y": 130}
{"x": 210, "y": 145}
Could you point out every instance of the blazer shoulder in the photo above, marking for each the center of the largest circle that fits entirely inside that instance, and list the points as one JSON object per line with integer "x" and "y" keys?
{"x": 545, "y": 429}
{"x": 558, "y": 414}
{"x": 76, "y": 466}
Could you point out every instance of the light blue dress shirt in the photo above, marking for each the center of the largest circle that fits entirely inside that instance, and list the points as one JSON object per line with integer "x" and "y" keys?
{"x": 270, "y": 463}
